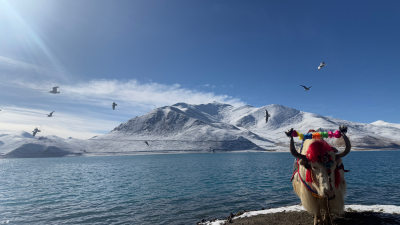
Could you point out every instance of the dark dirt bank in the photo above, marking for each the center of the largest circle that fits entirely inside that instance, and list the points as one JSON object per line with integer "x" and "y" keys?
{"x": 303, "y": 218}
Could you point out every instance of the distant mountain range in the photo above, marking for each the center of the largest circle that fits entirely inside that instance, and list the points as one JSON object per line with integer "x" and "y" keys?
{"x": 209, "y": 127}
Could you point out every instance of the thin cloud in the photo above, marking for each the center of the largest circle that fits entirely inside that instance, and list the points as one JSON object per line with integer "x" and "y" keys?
{"x": 25, "y": 75}
{"x": 6, "y": 62}
{"x": 212, "y": 86}
{"x": 132, "y": 93}
{"x": 11, "y": 69}
{"x": 65, "y": 125}
{"x": 83, "y": 107}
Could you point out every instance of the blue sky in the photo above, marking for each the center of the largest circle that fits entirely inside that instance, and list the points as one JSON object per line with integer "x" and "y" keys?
{"x": 146, "y": 54}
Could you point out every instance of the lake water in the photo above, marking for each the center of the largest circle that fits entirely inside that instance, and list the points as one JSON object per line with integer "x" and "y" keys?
{"x": 172, "y": 189}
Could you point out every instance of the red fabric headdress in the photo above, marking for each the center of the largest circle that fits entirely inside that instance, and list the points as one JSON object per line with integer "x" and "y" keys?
{"x": 318, "y": 152}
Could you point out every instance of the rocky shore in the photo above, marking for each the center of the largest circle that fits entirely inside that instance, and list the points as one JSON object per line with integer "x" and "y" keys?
{"x": 354, "y": 215}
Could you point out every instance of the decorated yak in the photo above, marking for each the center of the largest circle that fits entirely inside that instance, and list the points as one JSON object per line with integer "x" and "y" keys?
{"x": 318, "y": 177}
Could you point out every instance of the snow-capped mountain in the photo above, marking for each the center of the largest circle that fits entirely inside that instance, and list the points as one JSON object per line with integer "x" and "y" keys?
{"x": 23, "y": 144}
{"x": 208, "y": 128}
{"x": 386, "y": 124}
{"x": 180, "y": 127}
{"x": 362, "y": 135}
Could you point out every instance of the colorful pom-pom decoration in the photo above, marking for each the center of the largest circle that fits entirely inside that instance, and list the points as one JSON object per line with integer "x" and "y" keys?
{"x": 337, "y": 134}
{"x": 317, "y": 135}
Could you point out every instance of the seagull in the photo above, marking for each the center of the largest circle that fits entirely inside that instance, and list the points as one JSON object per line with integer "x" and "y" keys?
{"x": 51, "y": 114}
{"x": 113, "y": 105}
{"x": 55, "y": 90}
{"x": 267, "y": 115}
{"x": 35, "y": 131}
{"x": 322, "y": 64}
{"x": 147, "y": 143}
{"x": 306, "y": 88}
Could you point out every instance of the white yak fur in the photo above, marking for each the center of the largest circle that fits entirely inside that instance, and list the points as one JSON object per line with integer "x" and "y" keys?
{"x": 313, "y": 204}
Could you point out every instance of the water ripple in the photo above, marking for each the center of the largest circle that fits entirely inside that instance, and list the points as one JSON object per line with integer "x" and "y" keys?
{"x": 171, "y": 189}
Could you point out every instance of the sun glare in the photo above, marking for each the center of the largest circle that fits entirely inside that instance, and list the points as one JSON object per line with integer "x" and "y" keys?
{"x": 28, "y": 38}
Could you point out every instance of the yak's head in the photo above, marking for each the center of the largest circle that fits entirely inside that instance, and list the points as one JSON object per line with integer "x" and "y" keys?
{"x": 320, "y": 164}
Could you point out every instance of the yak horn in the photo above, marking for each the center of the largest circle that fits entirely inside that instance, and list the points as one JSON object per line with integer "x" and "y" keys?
{"x": 294, "y": 152}
{"x": 348, "y": 146}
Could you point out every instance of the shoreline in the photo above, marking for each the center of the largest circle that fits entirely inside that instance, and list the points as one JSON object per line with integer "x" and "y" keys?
{"x": 296, "y": 214}
{"x": 175, "y": 152}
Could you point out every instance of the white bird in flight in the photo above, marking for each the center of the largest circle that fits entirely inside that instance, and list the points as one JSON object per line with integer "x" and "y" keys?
{"x": 322, "y": 64}
{"x": 55, "y": 90}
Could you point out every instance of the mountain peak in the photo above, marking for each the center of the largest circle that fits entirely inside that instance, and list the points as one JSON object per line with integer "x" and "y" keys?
{"x": 210, "y": 104}
{"x": 386, "y": 124}
{"x": 181, "y": 104}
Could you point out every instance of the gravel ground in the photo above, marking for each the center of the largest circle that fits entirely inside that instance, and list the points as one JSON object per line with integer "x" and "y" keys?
{"x": 303, "y": 218}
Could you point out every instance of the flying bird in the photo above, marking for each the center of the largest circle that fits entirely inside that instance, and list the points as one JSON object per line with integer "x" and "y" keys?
{"x": 55, "y": 90}
{"x": 50, "y": 114}
{"x": 267, "y": 115}
{"x": 113, "y": 105}
{"x": 322, "y": 64}
{"x": 306, "y": 88}
{"x": 35, "y": 131}
{"x": 147, "y": 143}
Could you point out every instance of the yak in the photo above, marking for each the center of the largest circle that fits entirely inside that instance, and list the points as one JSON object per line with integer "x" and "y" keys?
{"x": 318, "y": 178}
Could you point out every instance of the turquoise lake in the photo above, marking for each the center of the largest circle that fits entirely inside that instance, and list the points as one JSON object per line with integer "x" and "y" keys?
{"x": 172, "y": 188}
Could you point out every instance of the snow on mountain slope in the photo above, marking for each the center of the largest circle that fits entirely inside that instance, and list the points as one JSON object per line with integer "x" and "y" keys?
{"x": 207, "y": 127}
{"x": 180, "y": 127}
{"x": 224, "y": 127}
{"x": 283, "y": 118}
{"x": 386, "y": 124}
{"x": 23, "y": 144}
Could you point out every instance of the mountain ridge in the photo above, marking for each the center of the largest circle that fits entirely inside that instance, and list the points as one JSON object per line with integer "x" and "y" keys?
{"x": 213, "y": 127}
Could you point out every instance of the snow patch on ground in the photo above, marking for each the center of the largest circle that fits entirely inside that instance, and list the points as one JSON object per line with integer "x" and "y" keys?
{"x": 390, "y": 209}
{"x": 293, "y": 208}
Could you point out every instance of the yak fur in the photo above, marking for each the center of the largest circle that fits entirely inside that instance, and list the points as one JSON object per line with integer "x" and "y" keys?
{"x": 323, "y": 176}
